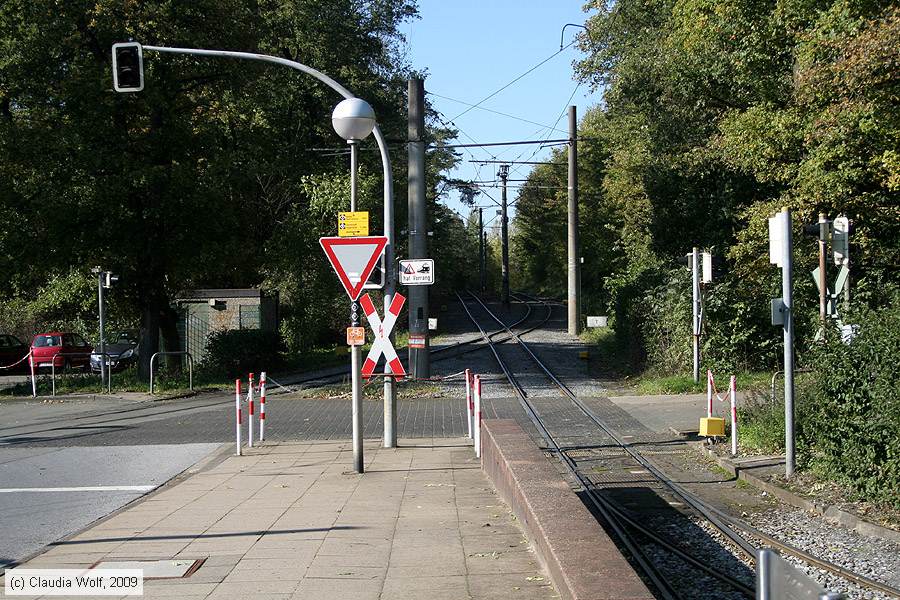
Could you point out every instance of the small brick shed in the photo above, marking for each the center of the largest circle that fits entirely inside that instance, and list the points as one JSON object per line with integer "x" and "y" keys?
{"x": 207, "y": 311}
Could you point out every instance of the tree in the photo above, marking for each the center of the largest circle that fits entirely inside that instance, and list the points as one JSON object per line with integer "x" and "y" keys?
{"x": 178, "y": 186}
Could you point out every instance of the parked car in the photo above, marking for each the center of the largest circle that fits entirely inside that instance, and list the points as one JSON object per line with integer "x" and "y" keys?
{"x": 61, "y": 349}
{"x": 122, "y": 349}
{"x": 13, "y": 350}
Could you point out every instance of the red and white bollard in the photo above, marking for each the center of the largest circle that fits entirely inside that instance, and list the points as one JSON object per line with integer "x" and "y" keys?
{"x": 469, "y": 404}
{"x": 237, "y": 409}
{"x": 250, "y": 419}
{"x": 734, "y": 432}
{"x": 709, "y": 392}
{"x": 476, "y": 426}
{"x": 262, "y": 406}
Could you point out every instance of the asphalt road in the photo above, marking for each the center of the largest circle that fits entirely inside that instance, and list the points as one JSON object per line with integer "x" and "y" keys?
{"x": 48, "y": 493}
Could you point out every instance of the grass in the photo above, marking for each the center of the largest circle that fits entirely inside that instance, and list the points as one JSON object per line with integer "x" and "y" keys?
{"x": 165, "y": 383}
{"x": 684, "y": 384}
{"x": 125, "y": 381}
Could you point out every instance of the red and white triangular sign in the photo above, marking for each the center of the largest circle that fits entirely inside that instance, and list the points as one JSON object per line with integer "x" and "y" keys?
{"x": 353, "y": 259}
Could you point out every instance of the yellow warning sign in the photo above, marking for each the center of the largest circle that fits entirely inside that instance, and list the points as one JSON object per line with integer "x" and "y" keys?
{"x": 353, "y": 224}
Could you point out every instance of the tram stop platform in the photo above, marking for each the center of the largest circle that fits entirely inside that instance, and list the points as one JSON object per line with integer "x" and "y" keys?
{"x": 292, "y": 520}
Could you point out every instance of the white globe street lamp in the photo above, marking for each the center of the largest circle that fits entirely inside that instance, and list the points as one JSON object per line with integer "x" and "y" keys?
{"x": 353, "y": 119}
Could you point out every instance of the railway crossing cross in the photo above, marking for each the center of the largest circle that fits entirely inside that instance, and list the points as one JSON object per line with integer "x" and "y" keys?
{"x": 382, "y": 331}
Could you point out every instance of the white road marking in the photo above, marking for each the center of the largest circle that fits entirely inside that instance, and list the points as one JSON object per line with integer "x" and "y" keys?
{"x": 97, "y": 488}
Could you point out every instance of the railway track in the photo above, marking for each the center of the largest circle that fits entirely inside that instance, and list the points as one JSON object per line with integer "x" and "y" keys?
{"x": 648, "y": 546}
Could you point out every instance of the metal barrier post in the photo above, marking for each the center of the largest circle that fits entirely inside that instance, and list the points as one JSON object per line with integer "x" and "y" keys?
{"x": 33, "y": 379}
{"x": 237, "y": 415}
{"x": 709, "y": 386}
{"x": 469, "y": 402}
{"x": 476, "y": 427}
{"x": 734, "y": 431}
{"x": 190, "y": 360}
{"x": 250, "y": 413}
{"x": 262, "y": 406}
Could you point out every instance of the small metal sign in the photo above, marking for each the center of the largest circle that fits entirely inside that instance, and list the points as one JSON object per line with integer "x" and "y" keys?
{"x": 416, "y": 341}
{"x": 597, "y": 321}
{"x": 417, "y": 272}
{"x": 353, "y": 224}
{"x": 356, "y": 336}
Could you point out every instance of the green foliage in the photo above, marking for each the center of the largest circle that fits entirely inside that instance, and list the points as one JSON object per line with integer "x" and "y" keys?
{"x": 237, "y": 352}
{"x": 666, "y": 324}
{"x": 761, "y": 426}
{"x": 189, "y": 183}
{"x": 852, "y": 427}
{"x": 715, "y": 115}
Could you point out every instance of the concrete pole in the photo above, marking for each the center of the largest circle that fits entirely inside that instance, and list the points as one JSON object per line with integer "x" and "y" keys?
{"x": 504, "y": 236}
{"x": 355, "y": 351}
{"x": 481, "y": 247}
{"x": 574, "y": 260}
{"x": 419, "y": 364}
{"x": 695, "y": 310}
{"x": 101, "y": 303}
{"x": 787, "y": 274}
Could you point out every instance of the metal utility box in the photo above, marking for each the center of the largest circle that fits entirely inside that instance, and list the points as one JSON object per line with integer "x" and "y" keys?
{"x": 712, "y": 427}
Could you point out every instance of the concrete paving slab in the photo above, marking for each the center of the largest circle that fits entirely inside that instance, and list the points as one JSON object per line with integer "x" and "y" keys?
{"x": 424, "y": 523}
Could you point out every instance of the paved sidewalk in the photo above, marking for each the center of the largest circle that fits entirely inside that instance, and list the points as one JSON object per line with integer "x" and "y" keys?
{"x": 291, "y": 520}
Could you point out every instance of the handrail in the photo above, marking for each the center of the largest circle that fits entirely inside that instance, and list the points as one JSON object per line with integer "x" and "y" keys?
{"x": 190, "y": 366}
{"x": 777, "y": 373}
{"x": 53, "y": 367}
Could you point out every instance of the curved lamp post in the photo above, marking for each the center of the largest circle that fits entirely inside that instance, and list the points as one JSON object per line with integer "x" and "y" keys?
{"x": 390, "y": 401}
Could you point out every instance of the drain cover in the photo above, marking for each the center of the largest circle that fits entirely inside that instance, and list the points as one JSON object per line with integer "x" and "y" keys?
{"x": 156, "y": 569}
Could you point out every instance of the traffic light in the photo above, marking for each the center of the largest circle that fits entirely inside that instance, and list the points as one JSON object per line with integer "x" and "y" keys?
{"x": 128, "y": 67}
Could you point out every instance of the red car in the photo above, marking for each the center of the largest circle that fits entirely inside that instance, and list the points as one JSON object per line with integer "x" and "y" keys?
{"x": 62, "y": 350}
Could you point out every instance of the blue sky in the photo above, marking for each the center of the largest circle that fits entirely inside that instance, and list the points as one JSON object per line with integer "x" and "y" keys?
{"x": 471, "y": 49}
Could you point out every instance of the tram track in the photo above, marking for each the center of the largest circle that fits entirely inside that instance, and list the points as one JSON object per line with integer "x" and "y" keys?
{"x": 633, "y": 534}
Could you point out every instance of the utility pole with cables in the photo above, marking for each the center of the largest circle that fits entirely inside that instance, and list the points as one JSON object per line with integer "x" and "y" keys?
{"x": 574, "y": 260}
{"x": 503, "y": 173}
{"x": 481, "y": 247}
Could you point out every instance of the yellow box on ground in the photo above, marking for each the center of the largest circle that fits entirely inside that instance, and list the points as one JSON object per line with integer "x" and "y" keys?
{"x": 712, "y": 426}
{"x": 353, "y": 224}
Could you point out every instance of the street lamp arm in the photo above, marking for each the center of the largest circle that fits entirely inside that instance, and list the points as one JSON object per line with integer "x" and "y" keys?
{"x": 379, "y": 138}
{"x": 389, "y": 283}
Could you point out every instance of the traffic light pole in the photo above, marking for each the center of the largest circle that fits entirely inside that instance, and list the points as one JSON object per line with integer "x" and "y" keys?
{"x": 390, "y": 285}
{"x": 101, "y": 303}
{"x": 695, "y": 310}
{"x": 787, "y": 295}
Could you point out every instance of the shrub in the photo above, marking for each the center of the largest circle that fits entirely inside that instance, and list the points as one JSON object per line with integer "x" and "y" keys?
{"x": 851, "y": 424}
{"x": 238, "y": 352}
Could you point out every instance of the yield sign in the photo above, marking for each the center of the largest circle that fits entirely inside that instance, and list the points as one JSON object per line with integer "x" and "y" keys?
{"x": 353, "y": 259}
{"x": 382, "y": 343}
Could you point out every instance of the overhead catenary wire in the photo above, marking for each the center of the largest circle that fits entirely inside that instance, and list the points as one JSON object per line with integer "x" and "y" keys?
{"x": 492, "y": 94}
{"x": 496, "y": 112}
